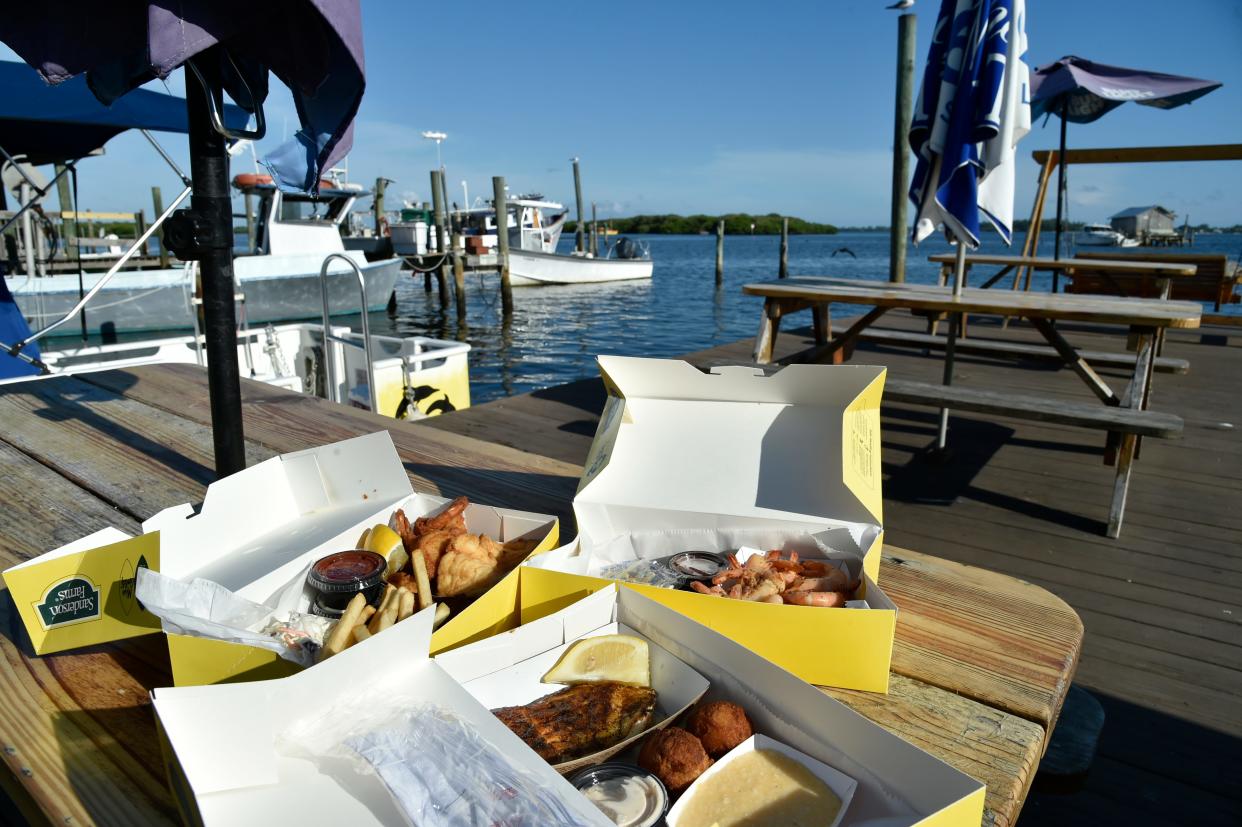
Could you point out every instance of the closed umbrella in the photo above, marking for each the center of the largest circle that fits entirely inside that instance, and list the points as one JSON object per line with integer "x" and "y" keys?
{"x": 971, "y": 111}
{"x": 1082, "y": 91}
{"x": 313, "y": 46}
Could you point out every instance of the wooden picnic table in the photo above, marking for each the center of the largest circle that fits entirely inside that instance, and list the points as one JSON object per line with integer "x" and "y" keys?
{"x": 1162, "y": 272}
{"x": 1146, "y": 319}
{"x": 981, "y": 662}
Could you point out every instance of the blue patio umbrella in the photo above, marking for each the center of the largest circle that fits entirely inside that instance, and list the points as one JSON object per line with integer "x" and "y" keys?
{"x": 972, "y": 109}
{"x": 1082, "y": 91}
{"x": 313, "y": 46}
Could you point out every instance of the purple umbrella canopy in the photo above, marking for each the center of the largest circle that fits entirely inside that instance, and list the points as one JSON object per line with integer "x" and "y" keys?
{"x": 1091, "y": 90}
{"x": 313, "y": 46}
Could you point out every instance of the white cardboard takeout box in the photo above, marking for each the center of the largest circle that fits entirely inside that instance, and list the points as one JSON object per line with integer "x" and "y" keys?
{"x": 686, "y": 460}
{"x": 898, "y": 784}
{"x": 506, "y": 670}
{"x": 229, "y": 764}
{"x": 255, "y": 533}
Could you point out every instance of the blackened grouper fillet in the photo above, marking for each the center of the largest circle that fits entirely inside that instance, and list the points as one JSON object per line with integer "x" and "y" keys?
{"x": 580, "y": 720}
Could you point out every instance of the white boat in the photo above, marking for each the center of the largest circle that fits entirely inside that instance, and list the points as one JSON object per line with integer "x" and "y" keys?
{"x": 1102, "y": 235}
{"x": 529, "y": 268}
{"x": 416, "y": 376}
{"x": 539, "y": 222}
{"x": 277, "y": 281}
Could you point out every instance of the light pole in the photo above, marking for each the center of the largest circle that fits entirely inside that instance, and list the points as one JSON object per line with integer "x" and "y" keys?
{"x": 465, "y": 194}
{"x": 437, "y": 137}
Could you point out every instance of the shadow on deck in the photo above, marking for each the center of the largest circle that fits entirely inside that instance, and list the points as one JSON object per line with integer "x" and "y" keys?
{"x": 1161, "y": 604}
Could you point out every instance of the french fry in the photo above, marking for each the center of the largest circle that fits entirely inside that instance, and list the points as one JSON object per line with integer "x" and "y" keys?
{"x": 390, "y": 592}
{"x": 405, "y": 607}
{"x": 367, "y": 612}
{"x": 442, "y": 613}
{"x": 338, "y": 638}
{"x": 387, "y": 617}
{"x": 424, "y": 582}
{"x": 360, "y": 633}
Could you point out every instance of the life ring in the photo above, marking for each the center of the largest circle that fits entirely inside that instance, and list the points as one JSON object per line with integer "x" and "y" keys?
{"x": 248, "y": 180}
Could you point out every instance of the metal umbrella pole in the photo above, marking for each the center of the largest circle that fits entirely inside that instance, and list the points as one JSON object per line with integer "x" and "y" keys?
{"x": 1056, "y": 253}
{"x": 955, "y": 323}
{"x": 209, "y": 223}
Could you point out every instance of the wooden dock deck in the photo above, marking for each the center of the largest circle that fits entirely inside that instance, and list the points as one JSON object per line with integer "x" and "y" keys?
{"x": 1162, "y": 604}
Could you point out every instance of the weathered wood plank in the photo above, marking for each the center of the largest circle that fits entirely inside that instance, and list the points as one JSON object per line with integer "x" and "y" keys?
{"x": 129, "y": 454}
{"x": 998, "y": 749}
{"x": 975, "y": 300}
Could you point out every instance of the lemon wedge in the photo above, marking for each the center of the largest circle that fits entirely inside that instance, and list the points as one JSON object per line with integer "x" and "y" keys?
{"x": 362, "y": 541}
{"x": 383, "y": 540}
{"x": 620, "y": 658}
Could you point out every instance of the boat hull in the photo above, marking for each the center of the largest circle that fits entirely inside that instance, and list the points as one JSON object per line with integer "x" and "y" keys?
{"x": 276, "y": 288}
{"x": 528, "y": 268}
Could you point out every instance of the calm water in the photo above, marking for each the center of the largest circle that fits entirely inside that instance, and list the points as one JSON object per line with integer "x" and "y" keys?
{"x": 556, "y": 332}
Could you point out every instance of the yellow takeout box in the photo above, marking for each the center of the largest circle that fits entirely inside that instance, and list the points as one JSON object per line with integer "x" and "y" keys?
{"x": 255, "y": 532}
{"x": 688, "y": 460}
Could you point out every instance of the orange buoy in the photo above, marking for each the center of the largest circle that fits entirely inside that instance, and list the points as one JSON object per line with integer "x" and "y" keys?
{"x": 247, "y": 180}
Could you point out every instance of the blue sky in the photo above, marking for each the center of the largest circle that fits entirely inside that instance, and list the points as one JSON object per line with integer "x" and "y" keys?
{"x": 689, "y": 106}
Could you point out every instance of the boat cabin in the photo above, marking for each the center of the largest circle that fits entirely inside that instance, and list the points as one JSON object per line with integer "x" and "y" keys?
{"x": 291, "y": 223}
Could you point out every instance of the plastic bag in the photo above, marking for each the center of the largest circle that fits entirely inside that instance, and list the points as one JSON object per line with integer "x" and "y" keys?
{"x": 436, "y": 766}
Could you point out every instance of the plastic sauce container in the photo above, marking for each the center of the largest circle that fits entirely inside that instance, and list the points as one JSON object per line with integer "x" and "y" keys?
{"x": 628, "y": 795}
{"x": 335, "y": 579}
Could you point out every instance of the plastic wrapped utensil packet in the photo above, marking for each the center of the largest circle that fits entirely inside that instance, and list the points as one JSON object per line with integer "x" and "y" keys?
{"x": 202, "y": 608}
{"x": 436, "y": 766}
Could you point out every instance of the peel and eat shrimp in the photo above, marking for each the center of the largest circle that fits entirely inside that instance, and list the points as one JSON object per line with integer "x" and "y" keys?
{"x": 771, "y": 578}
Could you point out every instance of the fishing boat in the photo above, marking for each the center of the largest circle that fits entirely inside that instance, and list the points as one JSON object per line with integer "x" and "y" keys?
{"x": 277, "y": 278}
{"x": 535, "y": 224}
{"x": 625, "y": 260}
{"x": 1102, "y": 235}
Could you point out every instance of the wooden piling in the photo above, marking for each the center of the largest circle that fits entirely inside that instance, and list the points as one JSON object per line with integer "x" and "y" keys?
{"x": 594, "y": 232}
{"x": 784, "y": 269}
{"x": 579, "y": 240}
{"x": 720, "y": 252}
{"x": 899, "y": 219}
{"x": 157, "y": 202}
{"x": 459, "y": 277}
{"x": 69, "y": 226}
{"x": 442, "y": 239}
{"x": 377, "y": 203}
{"x": 501, "y": 203}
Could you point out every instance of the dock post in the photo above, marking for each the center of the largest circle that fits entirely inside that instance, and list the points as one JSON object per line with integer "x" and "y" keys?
{"x": 377, "y": 202}
{"x": 459, "y": 278}
{"x": 899, "y": 220}
{"x": 720, "y": 252}
{"x": 579, "y": 240}
{"x": 68, "y": 225}
{"x": 140, "y": 227}
{"x": 501, "y": 203}
{"x": 442, "y": 240}
{"x": 784, "y": 270}
{"x": 157, "y": 202}
{"x": 249, "y": 223}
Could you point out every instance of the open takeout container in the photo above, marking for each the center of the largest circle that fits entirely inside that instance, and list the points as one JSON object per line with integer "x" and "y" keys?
{"x": 255, "y": 533}
{"x": 505, "y": 670}
{"x": 233, "y": 757}
{"x": 840, "y": 783}
{"x": 687, "y": 460}
{"x": 897, "y": 784}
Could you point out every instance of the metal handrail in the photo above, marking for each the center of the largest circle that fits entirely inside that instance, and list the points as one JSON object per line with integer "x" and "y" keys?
{"x": 329, "y": 360}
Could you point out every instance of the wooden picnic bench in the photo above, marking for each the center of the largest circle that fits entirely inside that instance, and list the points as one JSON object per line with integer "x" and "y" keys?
{"x": 1211, "y": 282}
{"x": 981, "y": 663}
{"x": 1124, "y": 417}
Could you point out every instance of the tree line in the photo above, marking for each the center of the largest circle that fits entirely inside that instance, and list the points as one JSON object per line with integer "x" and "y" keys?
{"x": 735, "y": 224}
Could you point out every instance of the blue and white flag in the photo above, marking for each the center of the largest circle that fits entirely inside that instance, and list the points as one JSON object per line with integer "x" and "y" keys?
{"x": 972, "y": 109}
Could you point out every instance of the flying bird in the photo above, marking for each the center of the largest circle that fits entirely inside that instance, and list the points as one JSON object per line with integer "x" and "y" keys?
{"x": 901, "y": 4}
{"x": 845, "y": 250}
